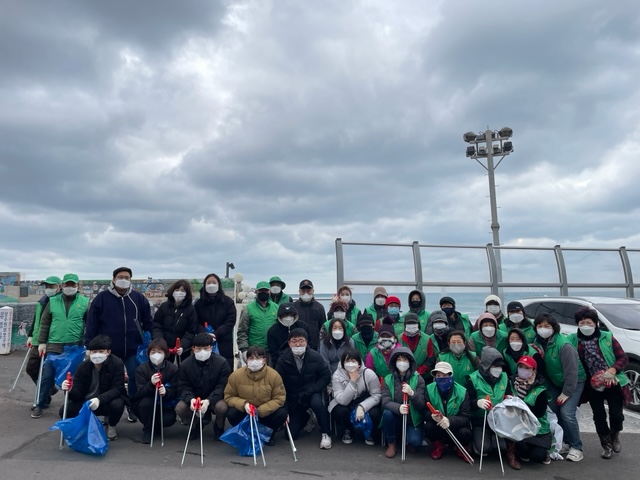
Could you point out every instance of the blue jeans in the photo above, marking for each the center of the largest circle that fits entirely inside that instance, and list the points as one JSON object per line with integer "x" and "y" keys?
{"x": 47, "y": 382}
{"x": 567, "y": 413}
{"x": 391, "y": 423}
{"x": 130, "y": 364}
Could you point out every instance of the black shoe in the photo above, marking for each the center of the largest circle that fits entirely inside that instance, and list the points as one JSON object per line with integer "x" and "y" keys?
{"x": 36, "y": 413}
{"x": 195, "y": 434}
{"x": 53, "y": 391}
{"x": 131, "y": 416}
{"x": 217, "y": 431}
{"x": 146, "y": 437}
{"x": 615, "y": 441}
{"x": 272, "y": 441}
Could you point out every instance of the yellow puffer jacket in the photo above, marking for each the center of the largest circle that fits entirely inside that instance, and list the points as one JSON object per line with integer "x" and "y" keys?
{"x": 263, "y": 388}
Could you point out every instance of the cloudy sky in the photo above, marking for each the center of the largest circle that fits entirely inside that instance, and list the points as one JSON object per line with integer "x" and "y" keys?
{"x": 176, "y": 136}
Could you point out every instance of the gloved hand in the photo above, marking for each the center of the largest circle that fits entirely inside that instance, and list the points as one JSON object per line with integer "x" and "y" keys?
{"x": 436, "y": 417}
{"x": 204, "y": 407}
{"x": 359, "y": 413}
{"x": 162, "y": 391}
{"x": 29, "y": 342}
{"x": 66, "y": 385}
{"x": 250, "y": 409}
{"x": 42, "y": 349}
{"x": 407, "y": 389}
{"x": 561, "y": 399}
{"x": 444, "y": 423}
{"x": 192, "y": 405}
{"x": 156, "y": 378}
{"x": 179, "y": 351}
{"x": 215, "y": 339}
{"x": 404, "y": 409}
{"x": 484, "y": 404}
{"x": 610, "y": 378}
{"x": 95, "y": 403}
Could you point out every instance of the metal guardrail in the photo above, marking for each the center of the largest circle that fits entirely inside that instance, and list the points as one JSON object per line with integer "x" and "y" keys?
{"x": 563, "y": 284}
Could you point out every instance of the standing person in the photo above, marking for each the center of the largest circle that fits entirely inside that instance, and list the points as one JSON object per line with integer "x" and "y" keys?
{"x": 462, "y": 361}
{"x": 176, "y": 318}
{"x": 604, "y": 362}
{"x": 403, "y": 379}
{"x": 346, "y": 295}
{"x": 518, "y": 319}
{"x": 417, "y": 302}
{"x": 339, "y": 310}
{"x": 260, "y": 386}
{"x": 518, "y": 346}
{"x": 366, "y": 337}
{"x": 377, "y": 309}
{"x": 99, "y": 379}
{"x": 456, "y": 320}
{"x": 276, "y": 291}
{"x": 487, "y": 335}
{"x": 278, "y": 334}
{"x": 416, "y": 341}
{"x": 311, "y": 312}
{"x": 123, "y": 314}
{"x": 392, "y": 306}
{"x": 355, "y": 387}
{"x": 217, "y": 310}
{"x": 565, "y": 380}
{"x": 61, "y": 324}
{"x": 305, "y": 375}
{"x": 158, "y": 370}
{"x": 256, "y": 319}
{"x": 204, "y": 374}
{"x": 334, "y": 344}
{"x": 493, "y": 305}
{"x": 378, "y": 357}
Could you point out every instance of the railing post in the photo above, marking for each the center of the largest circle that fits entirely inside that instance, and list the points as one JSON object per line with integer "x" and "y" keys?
{"x": 562, "y": 270}
{"x": 628, "y": 274}
{"x": 493, "y": 269}
{"x": 339, "y": 264}
{"x": 417, "y": 265}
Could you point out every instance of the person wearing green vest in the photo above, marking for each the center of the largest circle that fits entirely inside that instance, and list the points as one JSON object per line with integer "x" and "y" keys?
{"x": 61, "y": 324}
{"x": 346, "y": 295}
{"x": 377, "y": 309}
{"x": 451, "y": 401}
{"x": 417, "y": 302}
{"x": 256, "y": 319}
{"x": 457, "y": 320}
{"x": 517, "y": 346}
{"x": 338, "y": 310}
{"x": 528, "y": 385}
{"x": 416, "y": 341}
{"x": 487, "y": 335}
{"x": 378, "y": 357}
{"x": 517, "y": 319}
{"x": 392, "y": 306}
{"x": 403, "y": 382}
{"x": 565, "y": 381}
{"x": 462, "y": 361}
{"x": 604, "y": 362}
{"x": 366, "y": 337}
{"x": 276, "y": 291}
{"x": 438, "y": 339}
{"x": 487, "y": 387}
{"x": 493, "y": 305}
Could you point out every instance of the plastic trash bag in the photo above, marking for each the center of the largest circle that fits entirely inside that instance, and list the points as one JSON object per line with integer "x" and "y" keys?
{"x": 141, "y": 354}
{"x": 557, "y": 435}
{"x": 512, "y": 419}
{"x": 67, "y": 361}
{"x": 240, "y": 437}
{"x": 365, "y": 425}
{"x": 214, "y": 348}
{"x": 84, "y": 433}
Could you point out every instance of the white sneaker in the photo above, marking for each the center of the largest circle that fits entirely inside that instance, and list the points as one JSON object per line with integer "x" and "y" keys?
{"x": 565, "y": 449}
{"x": 574, "y": 455}
{"x": 325, "y": 442}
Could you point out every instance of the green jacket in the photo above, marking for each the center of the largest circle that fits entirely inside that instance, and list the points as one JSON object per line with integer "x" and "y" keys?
{"x": 478, "y": 342}
{"x": 509, "y": 359}
{"x": 453, "y": 403}
{"x": 530, "y": 400}
{"x": 528, "y": 330}
{"x": 416, "y": 417}
{"x": 553, "y": 362}
{"x": 423, "y": 316}
{"x": 67, "y": 327}
{"x": 496, "y": 393}
{"x": 606, "y": 347}
{"x": 379, "y": 363}
{"x": 254, "y": 324}
{"x": 462, "y": 367}
{"x": 361, "y": 346}
{"x": 420, "y": 353}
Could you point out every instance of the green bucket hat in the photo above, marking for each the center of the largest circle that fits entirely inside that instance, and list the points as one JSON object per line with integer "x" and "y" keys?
{"x": 52, "y": 280}
{"x": 277, "y": 279}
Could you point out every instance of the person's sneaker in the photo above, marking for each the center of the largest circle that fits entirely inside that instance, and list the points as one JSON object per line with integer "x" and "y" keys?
{"x": 131, "y": 417}
{"x": 369, "y": 441}
{"x": 525, "y": 459}
{"x": 347, "y": 438}
{"x": 574, "y": 455}
{"x": 112, "y": 433}
{"x": 36, "y": 413}
{"x": 615, "y": 440}
{"x": 311, "y": 423}
{"x": 146, "y": 436}
{"x": 325, "y": 443}
{"x": 547, "y": 461}
{"x": 565, "y": 449}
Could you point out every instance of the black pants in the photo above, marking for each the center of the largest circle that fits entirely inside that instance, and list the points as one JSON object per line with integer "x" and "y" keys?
{"x": 341, "y": 416}
{"x": 144, "y": 411}
{"x": 298, "y": 415}
{"x": 436, "y": 434}
{"x": 273, "y": 421}
{"x": 613, "y": 396}
{"x": 112, "y": 410}
{"x": 535, "y": 453}
{"x": 33, "y": 364}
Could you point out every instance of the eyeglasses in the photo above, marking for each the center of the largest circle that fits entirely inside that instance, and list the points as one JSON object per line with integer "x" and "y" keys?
{"x": 298, "y": 343}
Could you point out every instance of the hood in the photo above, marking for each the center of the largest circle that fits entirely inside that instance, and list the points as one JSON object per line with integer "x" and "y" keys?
{"x": 489, "y": 356}
{"x": 402, "y": 351}
{"x": 493, "y": 298}
{"x": 438, "y": 315}
{"x": 379, "y": 291}
{"x": 484, "y": 317}
{"x": 112, "y": 289}
{"x": 423, "y": 301}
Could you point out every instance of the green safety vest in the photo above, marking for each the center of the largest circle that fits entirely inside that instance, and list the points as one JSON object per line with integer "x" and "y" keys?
{"x": 67, "y": 327}
{"x": 358, "y": 342}
{"x": 478, "y": 341}
{"x": 260, "y": 320}
{"x": 371, "y": 310}
{"x": 555, "y": 372}
{"x": 379, "y": 363}
{"x": 496, "y": 394}
{"x": 420, "y": 353}
{"x": 416, "y": 417}
{"x": 529, "y": 331}
{"x": 462, "y": 367}
{"x": 453, "y": 404}
{"x": 350, "y": 327}
{"x": 530, "y": 400}
{"x": 285, "y": 298}
{"x": 509, "y": 359}
{"x": 36, "y": 322}
{"x": 606, "y": 347}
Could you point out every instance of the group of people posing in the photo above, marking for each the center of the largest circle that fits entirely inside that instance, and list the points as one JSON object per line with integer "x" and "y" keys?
{"x": 352, "y": 373}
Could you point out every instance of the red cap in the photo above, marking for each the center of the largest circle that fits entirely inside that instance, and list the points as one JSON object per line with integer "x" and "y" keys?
{"x": 392, "y": 299}
{"x": 528, "y": 361}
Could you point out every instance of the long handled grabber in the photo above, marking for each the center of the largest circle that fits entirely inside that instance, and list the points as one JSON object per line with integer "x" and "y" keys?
{"x": 155, "y": 404}
{"x": 197, "y": 406}
{"x": 498, "y": 442}
{"x": 64, "y": 408}
{"x": 405, "y": 399}
{"x": 174, "y": 350}
{"x": 484, "y": 428}
{"x": 253, "y": 414}
{"x": 21, "y": 367}
{"x": 36, "y": 399}
{"x": 293, "y": 446}
{"x": 457, "y": 443}
{"x": 253, "y": 438}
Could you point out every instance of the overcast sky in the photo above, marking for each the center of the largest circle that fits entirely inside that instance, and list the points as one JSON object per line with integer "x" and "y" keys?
{"x": 173, "y": 137}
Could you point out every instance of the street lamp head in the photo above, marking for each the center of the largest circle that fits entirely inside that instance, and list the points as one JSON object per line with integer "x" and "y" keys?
{"x": 481, "y": 137}
{"x": 469, "y": 137}
{"x": 471, "y": 151}
{"x": 507, "y": 147}
{"x": 505, "y": 132}
{"x": 496, "y": 148}
{"x": 482, "y": 151}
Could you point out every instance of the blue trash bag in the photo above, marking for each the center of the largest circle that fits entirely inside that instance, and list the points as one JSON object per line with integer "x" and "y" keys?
{"x": 214, "y": 348}
{"x": 84, "y": 433}
{"x": 365, "y": 425}
{"x": 240, "y": 437}
{"x": 67, "y": 361}
{"x": 141, "y": 354}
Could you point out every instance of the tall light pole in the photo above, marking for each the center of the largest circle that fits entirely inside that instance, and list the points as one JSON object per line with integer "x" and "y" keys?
{"x": 231, "y": 266}
{"x": 489, "y": 144}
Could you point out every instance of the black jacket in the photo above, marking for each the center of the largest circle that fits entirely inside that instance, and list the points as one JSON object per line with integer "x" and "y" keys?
{"x": 312, "y": 313}
{"x": 219, "y": 312}
{"x": 314, "y": 377}
{"x": 278, "y": 339}
{"x": 110, "y": 381}
{"x": 170, "y": 323}
{"x": 204, "y": 379}
{"x": 170, "y": 380}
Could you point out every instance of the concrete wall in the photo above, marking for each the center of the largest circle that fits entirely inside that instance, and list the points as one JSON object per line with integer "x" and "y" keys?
{"x": 22, "y": 319}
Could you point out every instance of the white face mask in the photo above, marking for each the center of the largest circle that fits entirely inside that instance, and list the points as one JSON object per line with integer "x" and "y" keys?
{"x": 70, "y": 291}
{"x": 515, "y": 346}
{"x": 179, "y": 296}
{"x": 587, "y": 330}
{"x": 255, "y": 365}
{"x": 351, "y": 366}
{"x": 288, "y": 320}
{"x": 545, "y": 332}
{"x": 275, "y": 290}
{"x": 380, "y": 301}
{"x": 493, "y": 309}
{"x": 98, "y": 358}
{"x": 412, "y": 329}
{"x": 50, "y": 292}
{"x": 306, "y": 297}
{"x": 488, "y": 331}
{"x": 345, "y": 298}
{"x": 339, "y": 315}
{"x": 402, "y": 366}
{"x": 122, "y": 283}
{"x": 298, "y": 351}
{"x": 495, "y": 371}
{"x": 211, "y": 288}
{"x": 516, "y": 318}
{"x": 338, "y": 334}
{"x": 203, "y": 355}
{"x": 157, "y": 358}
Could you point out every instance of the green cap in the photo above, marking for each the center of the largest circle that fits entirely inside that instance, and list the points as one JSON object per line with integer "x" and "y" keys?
{"x": 277, "y": 279}
{"x": 70, "y": 277}
{"x": 52, "y": 280}
{"x": 262, "y": 286}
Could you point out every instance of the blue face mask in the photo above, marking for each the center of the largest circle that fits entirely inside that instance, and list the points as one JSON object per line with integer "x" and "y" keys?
{"x": 393, "y": 311}
{"x": 444, "y": 384}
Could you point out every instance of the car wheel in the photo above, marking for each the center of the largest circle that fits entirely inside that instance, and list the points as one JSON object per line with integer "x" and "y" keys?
{"x": 633, "y": 374}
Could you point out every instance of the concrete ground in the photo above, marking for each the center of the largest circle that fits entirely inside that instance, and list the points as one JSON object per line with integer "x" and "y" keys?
{"x": 29, "y": 451}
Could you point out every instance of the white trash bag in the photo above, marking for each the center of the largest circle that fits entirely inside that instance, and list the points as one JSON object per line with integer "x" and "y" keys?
{"x": 557, "y": 436}
{"x": 512, "y": 419}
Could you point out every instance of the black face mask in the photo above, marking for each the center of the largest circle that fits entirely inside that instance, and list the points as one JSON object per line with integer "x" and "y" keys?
{"x": 366, "y": 331}
{"x": 263, "y": 296}
{"x": 415, "y": 304}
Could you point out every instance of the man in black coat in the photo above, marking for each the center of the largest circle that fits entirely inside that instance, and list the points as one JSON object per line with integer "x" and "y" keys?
{"x": 311, "y": 312}
{"x": 278, "y": 334}
{"x": 203, "y": 375}
{"x": 101, "y": 381}
{"x": 305, "y": 375}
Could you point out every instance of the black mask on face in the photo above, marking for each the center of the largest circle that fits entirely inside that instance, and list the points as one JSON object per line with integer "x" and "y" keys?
{"x": 448, "y": 311}
{"x": 366, "y": 331}
{"x": 415, "y": 304}
{"x": 263, "y": 296}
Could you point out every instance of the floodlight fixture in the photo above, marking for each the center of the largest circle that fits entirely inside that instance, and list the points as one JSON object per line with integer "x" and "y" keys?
{"x": 471, "y": 151}
{"x": 505, "y": 132}
{"x": 507, "y": 147}
{"x": 469, "y": 137}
